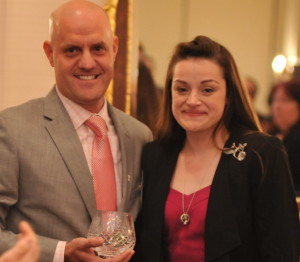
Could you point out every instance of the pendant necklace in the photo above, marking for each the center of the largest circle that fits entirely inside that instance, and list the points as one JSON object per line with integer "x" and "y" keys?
{"x": 185, "y": 218}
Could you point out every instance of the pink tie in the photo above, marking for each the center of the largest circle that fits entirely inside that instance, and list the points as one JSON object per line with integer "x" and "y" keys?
{"x": 102, "y": 165}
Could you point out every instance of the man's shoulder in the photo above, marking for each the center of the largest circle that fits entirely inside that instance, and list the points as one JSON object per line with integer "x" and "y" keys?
{"x": 30, "y": 107}
{"x": 128, "y": 120}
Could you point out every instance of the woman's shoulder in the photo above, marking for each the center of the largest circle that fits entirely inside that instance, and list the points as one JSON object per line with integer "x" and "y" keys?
{"x": 265, "y": 146}
{"x": 261, "y": 140}
{"x": 255, "y": 139}
{"x": 256, "y": 142}
{"x": 158, "y": 150}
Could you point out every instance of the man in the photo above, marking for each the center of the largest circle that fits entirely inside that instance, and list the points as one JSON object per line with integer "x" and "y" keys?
{"x": 46, "y": 147}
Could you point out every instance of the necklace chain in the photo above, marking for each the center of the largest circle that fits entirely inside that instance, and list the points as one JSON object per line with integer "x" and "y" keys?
{"x": 187, "y": 210}
{"x": 185, "y": 217}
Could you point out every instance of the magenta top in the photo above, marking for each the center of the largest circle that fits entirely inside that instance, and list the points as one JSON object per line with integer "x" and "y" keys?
{"x": 186, "y": 242}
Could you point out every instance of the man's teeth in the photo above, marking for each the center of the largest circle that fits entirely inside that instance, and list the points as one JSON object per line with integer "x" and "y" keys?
{"x": 87, "y": 77}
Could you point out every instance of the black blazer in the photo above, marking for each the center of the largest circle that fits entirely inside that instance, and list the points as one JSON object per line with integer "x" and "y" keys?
{"x": 252, "y": 213}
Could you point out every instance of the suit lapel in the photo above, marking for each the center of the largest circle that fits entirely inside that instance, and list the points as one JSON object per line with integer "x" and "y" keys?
{"x": 127, "y": 152}
{"x": 64, "y": 136}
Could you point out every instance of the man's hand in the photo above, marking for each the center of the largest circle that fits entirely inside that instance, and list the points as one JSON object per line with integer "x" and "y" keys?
{"x": 81, "y": 249}
{"x": 26, "y": 249}
{"x": 124, "y": 257}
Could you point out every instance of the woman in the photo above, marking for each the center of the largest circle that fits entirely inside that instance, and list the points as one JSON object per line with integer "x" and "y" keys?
{"x": 285, "y": 106}
{"x": 215, "y": 187}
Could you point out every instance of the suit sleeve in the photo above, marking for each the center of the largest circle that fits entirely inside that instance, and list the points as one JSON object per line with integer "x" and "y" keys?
{"x": 9, "y": 194}
{"x": 8, "y": 184}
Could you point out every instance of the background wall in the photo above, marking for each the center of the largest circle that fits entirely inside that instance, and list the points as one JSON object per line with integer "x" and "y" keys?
{"x": 253, "y": 30}
{"x": 25, "y": 72}
{"x": 244, "y": 27}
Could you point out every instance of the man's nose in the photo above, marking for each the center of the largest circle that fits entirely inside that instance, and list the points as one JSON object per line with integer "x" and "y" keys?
{"x": 87, "y": 61}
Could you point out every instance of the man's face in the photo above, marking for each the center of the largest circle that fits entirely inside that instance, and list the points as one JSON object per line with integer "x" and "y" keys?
{"x": 82, "y": 52}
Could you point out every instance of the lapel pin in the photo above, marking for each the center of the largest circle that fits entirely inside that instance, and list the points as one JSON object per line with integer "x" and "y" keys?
{"x": 237, "y": 151}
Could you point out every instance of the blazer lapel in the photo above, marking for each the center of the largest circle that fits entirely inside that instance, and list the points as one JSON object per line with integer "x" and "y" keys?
{"x": 221, "y": 233}
{"x": 165, "y": 174}
{"x": 63, "y": 134}
{"x": 127, "y": 152}
{"x": 159, "y": 186}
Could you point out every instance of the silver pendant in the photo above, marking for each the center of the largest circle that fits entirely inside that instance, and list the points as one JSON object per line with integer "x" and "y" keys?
{"x": 184, "y": 218}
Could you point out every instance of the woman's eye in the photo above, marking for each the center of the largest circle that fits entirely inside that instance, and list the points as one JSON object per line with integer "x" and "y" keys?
{"x": 181, "y": 90}
{"x": 207, "y": 90}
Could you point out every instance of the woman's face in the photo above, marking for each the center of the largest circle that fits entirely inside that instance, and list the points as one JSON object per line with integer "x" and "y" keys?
{"x": 198, "y": 94}
{"x": 285, "y": 110}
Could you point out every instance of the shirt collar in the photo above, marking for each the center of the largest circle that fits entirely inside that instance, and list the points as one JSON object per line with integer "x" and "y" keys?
{"x": 78, "y": 114}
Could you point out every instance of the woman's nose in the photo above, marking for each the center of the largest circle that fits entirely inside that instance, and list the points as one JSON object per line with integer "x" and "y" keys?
{"x": 193, "y": 98}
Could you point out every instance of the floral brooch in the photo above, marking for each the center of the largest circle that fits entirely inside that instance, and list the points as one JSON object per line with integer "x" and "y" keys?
{"x": 237, "y": 151}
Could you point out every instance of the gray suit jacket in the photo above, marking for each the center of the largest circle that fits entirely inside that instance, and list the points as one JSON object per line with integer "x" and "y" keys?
{"x": 44, "y": 176}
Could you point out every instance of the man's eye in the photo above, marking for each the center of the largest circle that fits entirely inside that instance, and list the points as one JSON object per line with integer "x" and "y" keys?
{"x": 99, "y": 48}
{"x": 71, "y": 50}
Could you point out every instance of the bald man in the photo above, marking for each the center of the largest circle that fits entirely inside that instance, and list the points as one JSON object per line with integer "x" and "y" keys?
{"x": 45, "y": 147}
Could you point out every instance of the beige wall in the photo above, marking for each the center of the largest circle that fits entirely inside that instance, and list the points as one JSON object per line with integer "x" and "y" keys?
{"x": 249, "y": 28}
{"x": 25, "y": 72}
{"x": 244, "y": 27}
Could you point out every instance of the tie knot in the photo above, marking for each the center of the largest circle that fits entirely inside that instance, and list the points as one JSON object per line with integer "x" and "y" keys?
{"x": 97, "y": 124}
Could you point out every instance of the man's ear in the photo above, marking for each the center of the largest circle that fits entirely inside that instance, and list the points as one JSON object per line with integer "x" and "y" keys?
{"x": 115, "y": 46}
{"x": 49, "y": 52}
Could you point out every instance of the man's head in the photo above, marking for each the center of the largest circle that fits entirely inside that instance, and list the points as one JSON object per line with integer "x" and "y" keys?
{"x": 82, "y": 50}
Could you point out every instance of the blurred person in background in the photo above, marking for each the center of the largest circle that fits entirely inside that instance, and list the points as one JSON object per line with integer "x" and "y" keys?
{"x": 148, "y": 95}
{"x": 285, "y": 106}
{"x": 252, "y": 87}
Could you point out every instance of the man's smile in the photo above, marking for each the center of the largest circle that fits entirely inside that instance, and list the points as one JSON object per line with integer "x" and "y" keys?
{"x": 86, "y": 77}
